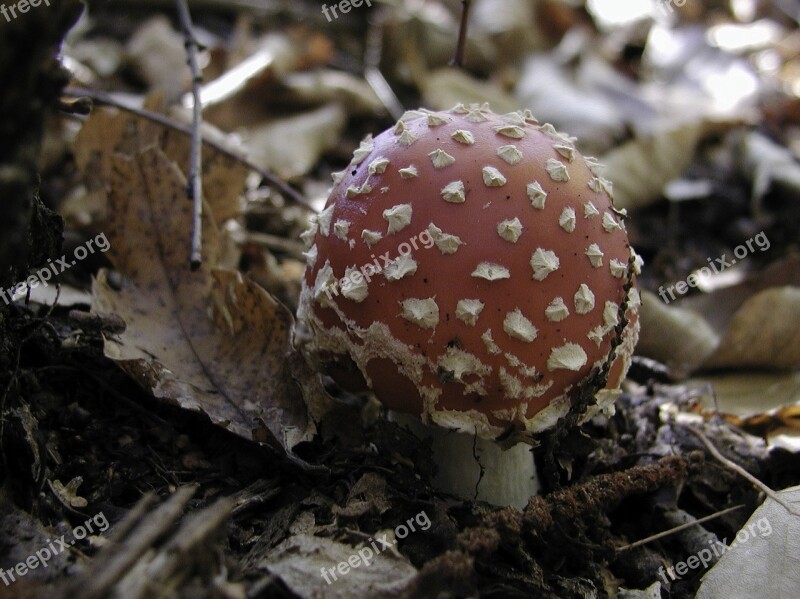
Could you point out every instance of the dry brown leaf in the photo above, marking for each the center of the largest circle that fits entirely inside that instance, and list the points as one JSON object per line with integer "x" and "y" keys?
{"x": 209, "y": 341}
{"x": 108, "y": 132}
{"x": 223, "y": 177}
{"x": 764, "y": 332}
{"x": 719, "y": 306}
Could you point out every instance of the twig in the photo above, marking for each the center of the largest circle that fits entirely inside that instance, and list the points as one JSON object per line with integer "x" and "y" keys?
{"x": 106, "y": 99}
{"x": 740, "y": 471}
{"x": 194, "y": 184}
{"x": 672, "y": 531}
{"x": 458, "y": 59}
{"x": 372, "y": 72}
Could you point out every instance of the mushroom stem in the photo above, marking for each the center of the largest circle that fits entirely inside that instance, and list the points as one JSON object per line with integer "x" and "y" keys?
{"x": 509, "y": 476}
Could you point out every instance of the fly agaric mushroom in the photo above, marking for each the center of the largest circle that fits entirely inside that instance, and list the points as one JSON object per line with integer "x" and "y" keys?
{"x": 471, "y": 269}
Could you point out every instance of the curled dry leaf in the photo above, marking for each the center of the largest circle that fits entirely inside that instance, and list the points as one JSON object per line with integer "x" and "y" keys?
{"x": 208, "y": 341}
{"x": 642, "y": 167}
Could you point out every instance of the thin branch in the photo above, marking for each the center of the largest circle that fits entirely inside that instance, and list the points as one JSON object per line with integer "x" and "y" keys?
{"x": 194, "y": 187}
{"x": 740, "y": 471}
{"x": 372, "y": 72}
{"x": 106, "y": 99}
{"x": 677, "y": 529}
{"x": 458, "y": 59}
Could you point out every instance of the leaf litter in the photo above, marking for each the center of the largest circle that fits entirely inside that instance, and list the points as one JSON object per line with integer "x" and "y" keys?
{"x": 214, "y": 343}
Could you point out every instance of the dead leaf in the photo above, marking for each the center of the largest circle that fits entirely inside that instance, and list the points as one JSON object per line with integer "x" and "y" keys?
{"x": 576, "y": 99}
{"x": 326, "y": 85}
{"x": 642, "y": 167}
{"x": 678, "y": 337}
{"x": 300, "y": 560}
{"x": 223, "y": 177}
{"x": 367, "y": 496}
{"x": 763, "y": 404}
{"x": 68, "y": 494}
{"x": 753, "y": 324}
{"x": 419, "y": 36}
{"x": 108, "y": 132}
{"x": 158, "y": 55}
{"x": 768, "y": 163}
{"x": 444, "y": 88}
{"x": 764, "y": 332}
{"x": 764, "y": 558}
{"x": 209, "y": 341}
{"x": 291, "y": 147}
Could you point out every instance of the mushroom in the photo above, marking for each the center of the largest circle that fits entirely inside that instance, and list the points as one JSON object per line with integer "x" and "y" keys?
{"x": 471, "y": 270}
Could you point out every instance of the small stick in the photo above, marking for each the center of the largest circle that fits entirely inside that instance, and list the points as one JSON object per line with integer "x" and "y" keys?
{"x": 458, "y": 59}
{"x": 372, "y": 72}
{"x": 740, "y": 471}
{"x": 672, "y": 531}
{"x": 106, "y": 99}
{"x": 194, "y": 186}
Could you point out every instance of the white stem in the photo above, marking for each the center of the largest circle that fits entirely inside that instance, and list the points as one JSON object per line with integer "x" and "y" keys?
{"x": 509, "y": 477}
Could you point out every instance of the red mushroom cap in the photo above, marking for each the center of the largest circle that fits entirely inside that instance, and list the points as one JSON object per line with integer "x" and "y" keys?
{"x": 471, "y": 267}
